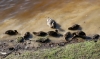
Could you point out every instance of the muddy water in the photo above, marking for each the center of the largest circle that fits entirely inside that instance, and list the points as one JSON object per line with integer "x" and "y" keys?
{"x": 25, "y": 8}
{"x": 31, "y": 15}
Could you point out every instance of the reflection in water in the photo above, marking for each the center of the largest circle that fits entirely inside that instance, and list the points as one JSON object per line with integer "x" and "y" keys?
{"x": 21, "y": 8}
{"x": 11, "y": 8}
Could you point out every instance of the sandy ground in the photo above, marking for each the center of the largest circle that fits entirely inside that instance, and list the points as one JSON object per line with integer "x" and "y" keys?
{"x": 65, "y": 12}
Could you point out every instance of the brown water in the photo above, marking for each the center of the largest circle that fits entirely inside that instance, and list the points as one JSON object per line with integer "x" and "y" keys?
{"x": 31, "y": 15}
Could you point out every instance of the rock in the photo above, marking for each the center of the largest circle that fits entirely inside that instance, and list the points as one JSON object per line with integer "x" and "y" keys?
{"x": 96, "y": 36}
{"x": 80, "y": 34}
{"x": 27, "y": 35}
{"x": 11, "y": 48}
{"x": 20, "y": 39}
{"x": 67, "y": 35}
{"x": 61, "y": 44}
{"x": 51, "y": 23}
{"x": 11, "y": 40}
{"x": 74, "y": 27}
{"x": 40, "y": 33}
{"x": 53, "y": 33}
{"x": 3, "y": 53}
{"x": 11, "y": 32}
{"x": 43, "y": 40}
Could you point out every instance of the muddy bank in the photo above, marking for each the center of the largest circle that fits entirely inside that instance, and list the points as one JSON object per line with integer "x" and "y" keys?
{"x": 15, "y": 43}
